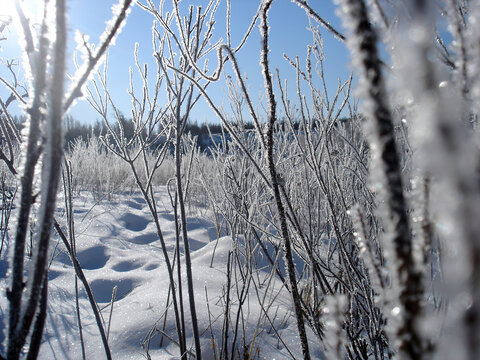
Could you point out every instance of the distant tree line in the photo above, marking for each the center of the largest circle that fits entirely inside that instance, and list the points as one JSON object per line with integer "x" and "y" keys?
{"x": 75, "y": 130}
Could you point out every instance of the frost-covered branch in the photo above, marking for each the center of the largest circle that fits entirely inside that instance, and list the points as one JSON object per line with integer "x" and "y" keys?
{"x": 51, "y": 170}
{"x": 272, "y": 117}
{"x": 115, "y": 25}
{"x": 363, "y": 47}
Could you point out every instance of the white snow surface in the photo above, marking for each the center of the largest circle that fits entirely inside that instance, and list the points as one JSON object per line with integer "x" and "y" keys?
{"x": 117, "y": 245}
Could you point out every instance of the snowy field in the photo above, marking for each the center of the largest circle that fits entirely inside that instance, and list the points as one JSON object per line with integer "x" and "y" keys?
{"x": 117, "y": 246}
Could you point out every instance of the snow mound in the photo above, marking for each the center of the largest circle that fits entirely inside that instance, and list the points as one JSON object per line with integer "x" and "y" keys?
{"x": 118, "y": 247}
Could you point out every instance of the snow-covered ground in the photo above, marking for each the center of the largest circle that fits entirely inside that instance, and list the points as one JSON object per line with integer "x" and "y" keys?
{"x": 117, "y": 246}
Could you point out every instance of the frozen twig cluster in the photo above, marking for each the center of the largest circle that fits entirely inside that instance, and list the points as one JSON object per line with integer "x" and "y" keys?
{"x": 366, "y": 217}
{"x": 43, "y": 145}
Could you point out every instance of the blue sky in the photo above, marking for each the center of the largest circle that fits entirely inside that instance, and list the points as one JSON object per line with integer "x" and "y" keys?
{"x": 288, "y": 34}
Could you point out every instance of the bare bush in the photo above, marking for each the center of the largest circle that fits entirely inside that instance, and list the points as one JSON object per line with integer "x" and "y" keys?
{"x": 104, "y": 174}
{"x": 42, "y": 145}
{"x": 366, "y": 216}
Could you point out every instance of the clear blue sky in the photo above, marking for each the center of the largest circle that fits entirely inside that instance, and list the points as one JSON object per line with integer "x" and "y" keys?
{"x": 288, "y": 34}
